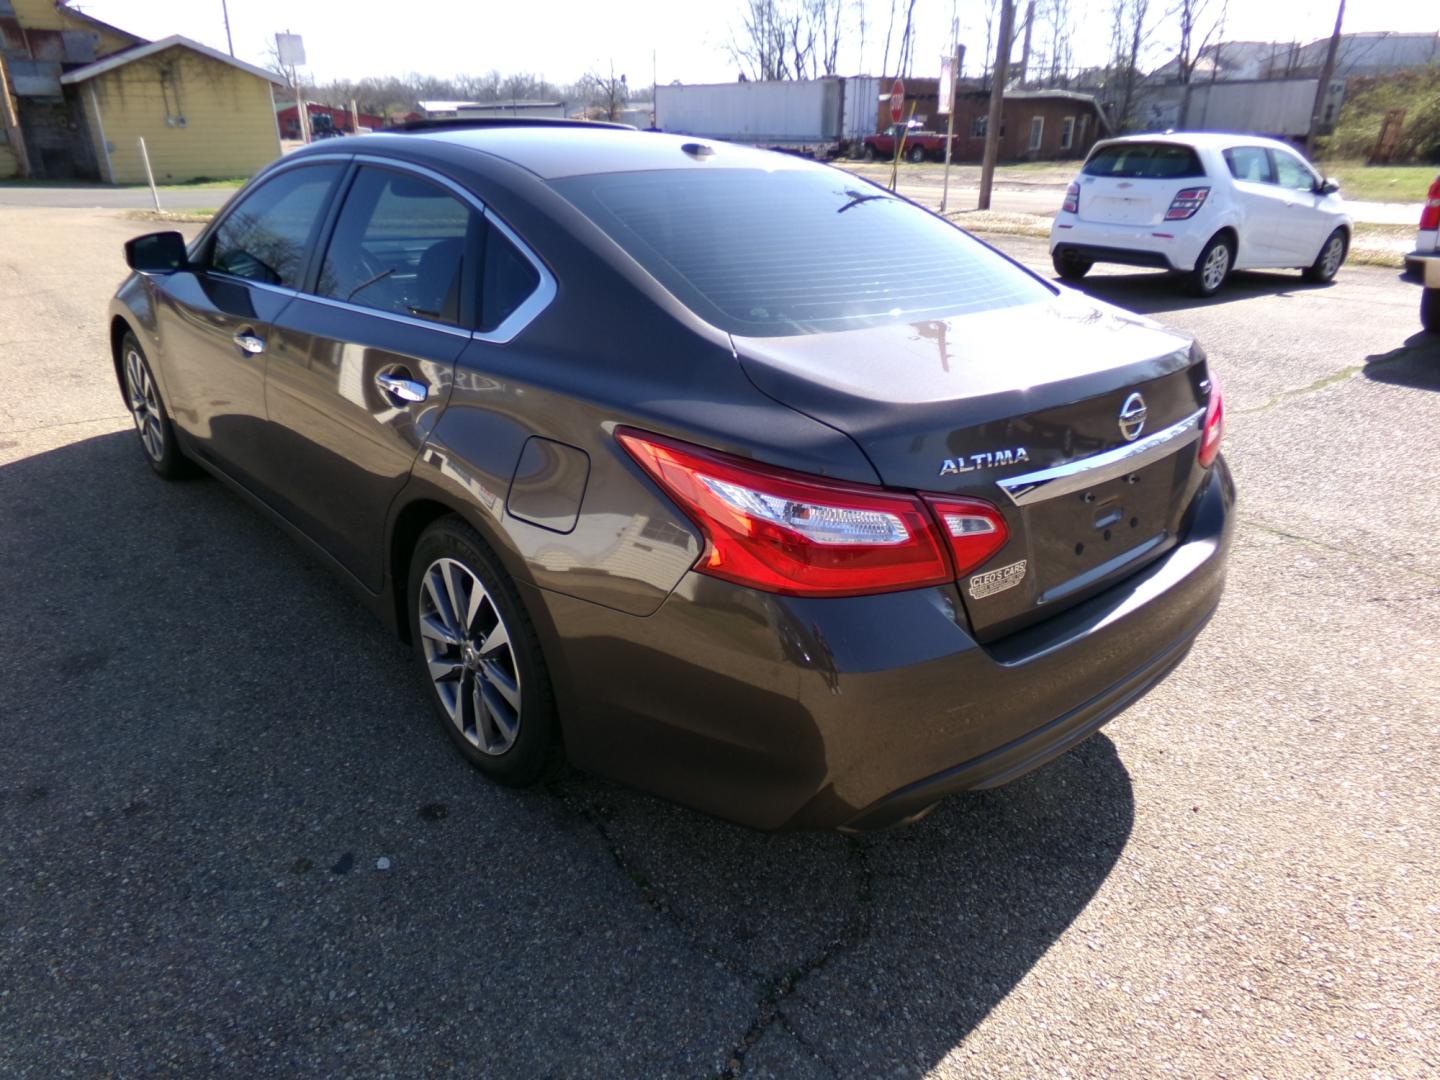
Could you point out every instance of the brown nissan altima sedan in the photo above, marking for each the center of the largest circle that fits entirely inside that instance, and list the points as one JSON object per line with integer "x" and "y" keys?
{"x": 727, "y": 474}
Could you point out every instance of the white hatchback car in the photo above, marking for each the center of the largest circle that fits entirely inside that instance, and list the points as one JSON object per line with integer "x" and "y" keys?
{"x": 1200, "y": 204}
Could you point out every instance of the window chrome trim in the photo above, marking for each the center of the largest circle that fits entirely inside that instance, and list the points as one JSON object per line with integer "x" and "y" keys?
{"x": 1032, "y": 487}
{"x": 381, "y": 313}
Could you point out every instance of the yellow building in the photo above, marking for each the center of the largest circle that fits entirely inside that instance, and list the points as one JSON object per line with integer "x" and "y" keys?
{"x": 84, "y": 92}
{"x": 201, "y": 113}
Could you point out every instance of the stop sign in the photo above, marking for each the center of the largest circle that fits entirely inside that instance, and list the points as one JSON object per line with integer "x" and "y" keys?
{"x": 897, "y": 101}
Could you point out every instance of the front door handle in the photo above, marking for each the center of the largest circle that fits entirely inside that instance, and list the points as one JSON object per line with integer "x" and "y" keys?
{"x": 406, "y": 390}
{"x": 250, "y": 343}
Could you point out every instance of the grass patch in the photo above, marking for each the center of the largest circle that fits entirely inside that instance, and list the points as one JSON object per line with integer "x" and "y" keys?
{"x": 1381, "y": 183}
{"x": 200, "y": 216}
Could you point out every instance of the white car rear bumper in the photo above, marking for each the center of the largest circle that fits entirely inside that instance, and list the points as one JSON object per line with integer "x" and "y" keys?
{"x": 1174, "y": 245}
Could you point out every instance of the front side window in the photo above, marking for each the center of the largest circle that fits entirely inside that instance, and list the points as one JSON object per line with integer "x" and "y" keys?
{"x": 1250, "y": 164}
{"x": 796, "y": 250}
{"x": 399, "y": 246}
{"x": 266, "y": 236}
{"x": 1144, "y": 161}
{"x": 1291, "y": 172}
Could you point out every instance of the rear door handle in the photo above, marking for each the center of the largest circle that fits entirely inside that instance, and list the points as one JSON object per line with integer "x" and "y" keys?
{"x": 250, "y": 343}
{"x": 406, "y": 390}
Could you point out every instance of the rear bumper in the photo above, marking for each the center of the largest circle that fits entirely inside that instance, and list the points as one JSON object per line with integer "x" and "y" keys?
{"x": 860, "y": 713}
{"x": 1129, "y": 245}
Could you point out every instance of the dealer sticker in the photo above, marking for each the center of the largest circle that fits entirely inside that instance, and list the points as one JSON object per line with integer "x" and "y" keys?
{"x": 995, "y": 581}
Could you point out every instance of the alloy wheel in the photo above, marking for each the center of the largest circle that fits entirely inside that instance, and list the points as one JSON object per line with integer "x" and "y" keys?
{"x": 469, "y": 656}
{"x": 144, "y": 404}
{"x": 1334, "y": 252}
{"x": 1217, "y": 263}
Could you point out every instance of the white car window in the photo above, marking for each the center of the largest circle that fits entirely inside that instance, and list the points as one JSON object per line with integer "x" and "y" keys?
{"x": 1291, "y": 172}
{"x": 1250, "y": 163}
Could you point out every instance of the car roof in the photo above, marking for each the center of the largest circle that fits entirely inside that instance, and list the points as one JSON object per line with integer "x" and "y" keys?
{"x": 555, "y": 151}
{"x": 1201, "y": 140}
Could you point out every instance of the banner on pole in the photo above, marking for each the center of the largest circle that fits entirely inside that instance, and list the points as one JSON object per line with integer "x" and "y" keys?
{"x": 947, "y": 83}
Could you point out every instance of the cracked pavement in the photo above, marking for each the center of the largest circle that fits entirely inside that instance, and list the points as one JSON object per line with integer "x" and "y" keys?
{"x": 210, "y": 748}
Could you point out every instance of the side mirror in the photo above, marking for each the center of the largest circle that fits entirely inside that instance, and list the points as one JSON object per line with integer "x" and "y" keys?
{"x": 1329, "y": 186}
{"x": 157, "y": 253}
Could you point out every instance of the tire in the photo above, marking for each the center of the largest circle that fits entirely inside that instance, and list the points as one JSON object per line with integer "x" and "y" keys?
{"x": 147, "y": 409}
{"x": 494, "y": 701}
{"x": 1070, "y": 268}
{"x": 915, "y": 155}
{"x": 870, "y": 154}
{"x": 1430, "y": 310}
{"x": 1211, "y": 268}
{"x": 1327, "y": 263}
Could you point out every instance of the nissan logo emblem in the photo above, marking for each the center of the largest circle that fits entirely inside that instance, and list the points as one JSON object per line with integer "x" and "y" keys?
{"x": 1132, "y": 417}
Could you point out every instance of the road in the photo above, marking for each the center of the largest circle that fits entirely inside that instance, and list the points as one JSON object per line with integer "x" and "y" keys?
{"x": 923, "y": 183}
{"x": 210, "y": 748}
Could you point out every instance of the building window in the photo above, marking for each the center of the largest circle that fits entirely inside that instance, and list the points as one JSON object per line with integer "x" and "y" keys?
{"x": 977, "y": 127}
{"x": 1067, "y": 133}
{"x": 1037, "y": 131}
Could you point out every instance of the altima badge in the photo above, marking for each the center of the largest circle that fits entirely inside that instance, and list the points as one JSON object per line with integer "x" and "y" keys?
{"x": 994, "y": 581}
{"x": 990, "y": 459}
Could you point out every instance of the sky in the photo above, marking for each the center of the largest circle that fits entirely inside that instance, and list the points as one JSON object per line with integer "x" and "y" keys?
{"x": 684, "y": 39}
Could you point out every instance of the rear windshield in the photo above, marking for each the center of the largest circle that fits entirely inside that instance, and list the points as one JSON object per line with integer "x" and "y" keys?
{"x": 1145, "y": 161}
{"x": 795, "y": 251}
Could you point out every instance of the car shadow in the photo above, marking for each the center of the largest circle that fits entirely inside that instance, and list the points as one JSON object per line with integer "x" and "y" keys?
{"x": 223, "y": 776}
{"x": 1156, "y": 292}
{"x": 1416, "y": 363}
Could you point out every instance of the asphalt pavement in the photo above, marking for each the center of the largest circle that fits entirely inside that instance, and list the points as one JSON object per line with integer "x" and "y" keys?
{"x": 234, "y": 841}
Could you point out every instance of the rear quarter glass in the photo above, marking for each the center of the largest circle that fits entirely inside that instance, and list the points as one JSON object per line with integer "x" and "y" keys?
{"x": 796, "y": 251}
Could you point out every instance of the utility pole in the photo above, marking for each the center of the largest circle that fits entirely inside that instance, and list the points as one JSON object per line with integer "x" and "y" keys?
{"x": 10, "y": 118}
{"x": 1324, "y": 84}
{"x": 997, "y": 102}
{"x": 956, "y": 63}
{"x": 225, "y": 10}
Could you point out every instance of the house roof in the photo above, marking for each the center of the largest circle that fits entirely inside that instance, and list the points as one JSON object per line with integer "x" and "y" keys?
{"x": 63, "y": 6}
{"x": 120, "y": 59}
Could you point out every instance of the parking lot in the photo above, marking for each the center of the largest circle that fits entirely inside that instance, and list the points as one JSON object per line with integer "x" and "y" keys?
{"x": 233, "y": 839}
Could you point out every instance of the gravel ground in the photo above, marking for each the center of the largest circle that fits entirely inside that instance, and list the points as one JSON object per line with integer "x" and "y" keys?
{"x": 232, "y": 840}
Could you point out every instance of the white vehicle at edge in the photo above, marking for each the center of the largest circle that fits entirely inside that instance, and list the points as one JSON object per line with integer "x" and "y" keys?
{"x": 1200, "y": 204}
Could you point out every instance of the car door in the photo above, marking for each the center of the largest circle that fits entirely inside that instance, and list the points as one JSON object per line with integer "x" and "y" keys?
{"x": 1306, "y": 223}
{"x": 1261, "y": 204}
{"x": 361, "y": 362}
{"x": 214, "y": 321}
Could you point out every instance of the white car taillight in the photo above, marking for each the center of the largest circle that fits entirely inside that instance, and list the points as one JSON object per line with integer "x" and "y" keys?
{"x": 1186, "y": 203}
{"x": 1072, "y": 199}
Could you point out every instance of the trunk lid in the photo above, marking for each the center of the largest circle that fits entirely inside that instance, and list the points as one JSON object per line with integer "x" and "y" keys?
{"x": 966, "y": 405}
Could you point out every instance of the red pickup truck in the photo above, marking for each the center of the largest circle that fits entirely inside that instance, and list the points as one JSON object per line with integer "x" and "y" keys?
{"x": 919, "y": 145}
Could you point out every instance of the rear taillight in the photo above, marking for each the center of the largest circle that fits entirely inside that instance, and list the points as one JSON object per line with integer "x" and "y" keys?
{"x": 1186, "y": 203}
{"x": 782, "y": 532}
{"x": 1072, "y": 199}
{"x": 1214, "y": 428}
{"x": 1430, "y": 216}
{"x": 974, "y": 529}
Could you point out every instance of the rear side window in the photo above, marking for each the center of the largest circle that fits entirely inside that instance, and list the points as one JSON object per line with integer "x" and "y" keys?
{"x": 1250, "y": 164}
{"x": 508, "y": 280}
{"x": 1145, "y": 161}
{"x": 795, "y": 250}
{"x": 266, "y": 236}
{"x": 399, "y": 246}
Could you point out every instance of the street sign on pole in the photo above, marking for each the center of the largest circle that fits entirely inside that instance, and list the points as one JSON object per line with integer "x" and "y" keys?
{"x": 291, "y": 50}
{"x": 897, "y": 101}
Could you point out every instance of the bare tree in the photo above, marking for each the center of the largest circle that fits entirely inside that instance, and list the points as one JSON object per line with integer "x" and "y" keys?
{"x": 1128, "y": 36}
{"x": 825, "y": 17}
{"x": 1054, "y": 18}
{"x": 759, "y": 46}
{"x": 889, "y": 33}
{"x": 907, "y": 41}
{"x": 607, "y": 93}
{"x": 1201, "y": 22}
